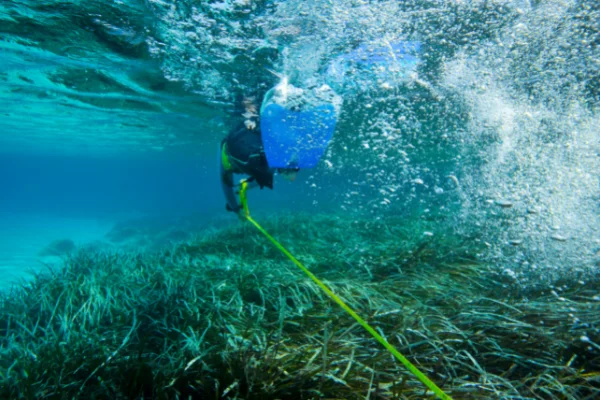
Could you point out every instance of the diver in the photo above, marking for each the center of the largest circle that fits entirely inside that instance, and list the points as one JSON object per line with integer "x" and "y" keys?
{"x": 289, "y": 137}
{"x": 242, "y": 152}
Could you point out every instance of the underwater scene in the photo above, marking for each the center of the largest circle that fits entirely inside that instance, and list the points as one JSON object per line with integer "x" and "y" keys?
{"x": 287, "y": 199}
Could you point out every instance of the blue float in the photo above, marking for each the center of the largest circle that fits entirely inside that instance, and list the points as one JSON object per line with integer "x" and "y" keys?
{"x": 296, "y": 139}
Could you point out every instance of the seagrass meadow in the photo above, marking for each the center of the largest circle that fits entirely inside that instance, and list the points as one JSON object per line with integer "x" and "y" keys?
{"x": 225, "y": 315}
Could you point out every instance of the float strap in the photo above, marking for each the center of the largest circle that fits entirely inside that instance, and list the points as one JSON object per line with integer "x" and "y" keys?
{"x": 414, "y": 370}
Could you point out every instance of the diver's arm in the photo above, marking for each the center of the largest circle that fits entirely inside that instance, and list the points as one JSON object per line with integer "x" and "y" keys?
{"x": 227, "y": 186}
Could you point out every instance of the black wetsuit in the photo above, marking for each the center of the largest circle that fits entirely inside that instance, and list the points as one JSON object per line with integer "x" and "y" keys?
{"x": 242, "y": 152}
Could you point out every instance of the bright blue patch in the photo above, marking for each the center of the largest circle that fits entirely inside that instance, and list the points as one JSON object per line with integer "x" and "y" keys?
{"x": 296, "y": 139}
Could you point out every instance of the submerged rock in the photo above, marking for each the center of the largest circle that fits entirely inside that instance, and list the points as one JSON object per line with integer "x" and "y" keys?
{"x": 58, "y": 248}
{"x": 97, "y": 245}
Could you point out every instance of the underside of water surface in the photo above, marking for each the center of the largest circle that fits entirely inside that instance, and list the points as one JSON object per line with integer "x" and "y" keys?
{"x": 456, "y": 209}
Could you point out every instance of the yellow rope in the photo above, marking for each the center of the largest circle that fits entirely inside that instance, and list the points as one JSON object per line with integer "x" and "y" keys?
{"x": 224, "y": 158}
{"x": 415, "y": 371}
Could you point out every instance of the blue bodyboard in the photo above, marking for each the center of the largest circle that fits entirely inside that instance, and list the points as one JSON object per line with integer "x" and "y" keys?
{"x": 296, "y": 139}
{"x": 369, "y": 64}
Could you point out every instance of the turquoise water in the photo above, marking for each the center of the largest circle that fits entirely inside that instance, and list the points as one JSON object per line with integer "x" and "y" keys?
{"x": 111, "y": 115}
{"x": 502, "y": 107}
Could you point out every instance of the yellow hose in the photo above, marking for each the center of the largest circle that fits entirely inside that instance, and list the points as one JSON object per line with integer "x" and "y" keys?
{"x": 414, "y": 370}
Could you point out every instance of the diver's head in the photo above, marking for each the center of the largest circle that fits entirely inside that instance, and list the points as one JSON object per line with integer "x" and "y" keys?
{"x": 288, "y": 174}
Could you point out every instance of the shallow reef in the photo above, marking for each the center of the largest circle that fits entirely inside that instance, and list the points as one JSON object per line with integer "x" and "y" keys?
{"x": 225, "y": 315}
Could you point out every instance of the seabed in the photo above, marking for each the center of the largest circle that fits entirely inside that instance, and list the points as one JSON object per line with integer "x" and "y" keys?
{"x": 226, "y": 315}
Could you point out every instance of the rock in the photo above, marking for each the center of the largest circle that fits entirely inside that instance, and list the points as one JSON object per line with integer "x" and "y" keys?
{"x": 58, "y": 248}
{"x": 97, "y": 246}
